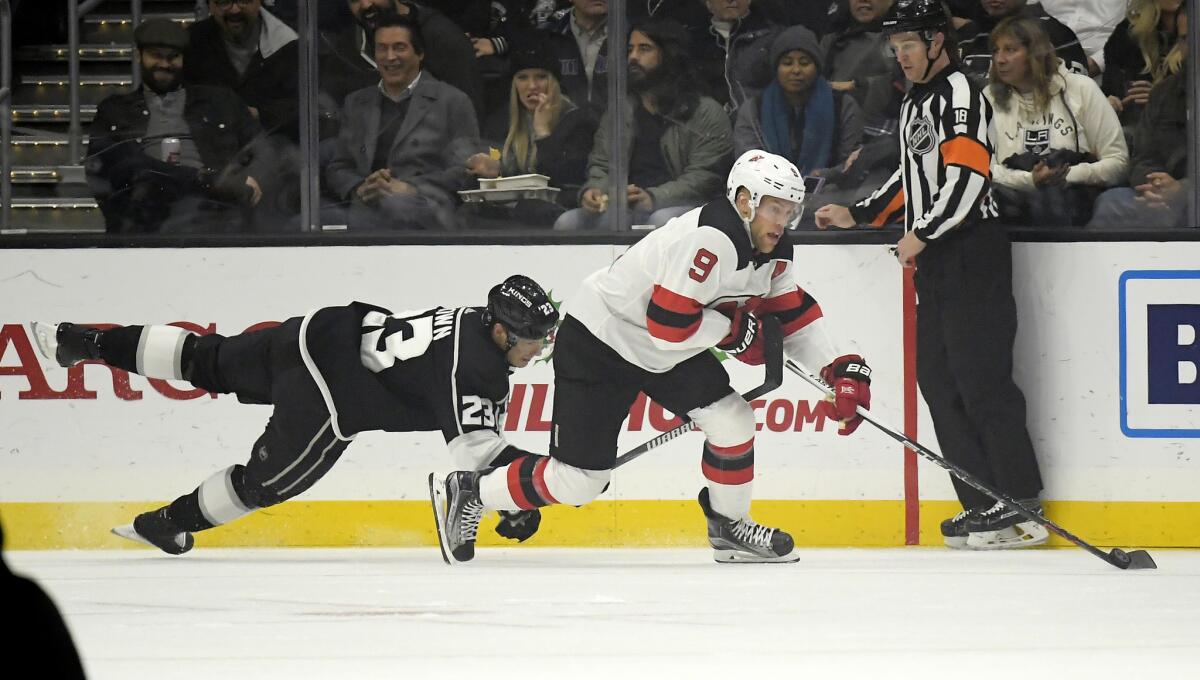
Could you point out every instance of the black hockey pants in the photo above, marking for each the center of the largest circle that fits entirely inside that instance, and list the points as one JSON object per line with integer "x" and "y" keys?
{"x": 966, "y": 325}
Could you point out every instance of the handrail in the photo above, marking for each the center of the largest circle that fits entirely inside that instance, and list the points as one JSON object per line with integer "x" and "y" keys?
{"x": 5, "y": 112}
{"x": 74, "y": 129}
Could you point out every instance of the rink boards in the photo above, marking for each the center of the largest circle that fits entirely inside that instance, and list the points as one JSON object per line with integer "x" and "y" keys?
{"x": 1106, "y": 355}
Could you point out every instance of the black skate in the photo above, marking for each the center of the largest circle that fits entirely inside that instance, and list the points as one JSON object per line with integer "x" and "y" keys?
{"x": 954, "y": 530}
{"x": 67, "y": 343}
{"x": 743, "y": 540}
{"x": 156, "y": 529}
{"x": 1001, "y": 527}
{"x": 456, "y": 511}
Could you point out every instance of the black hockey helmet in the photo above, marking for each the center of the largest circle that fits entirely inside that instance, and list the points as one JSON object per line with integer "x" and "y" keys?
{"x": 522, "y": 307}
{"x": 917, "y": 16}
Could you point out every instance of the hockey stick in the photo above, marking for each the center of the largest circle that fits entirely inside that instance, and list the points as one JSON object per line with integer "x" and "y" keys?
{"x": 1136, "y": 559}
{"x": 773, "y": 378}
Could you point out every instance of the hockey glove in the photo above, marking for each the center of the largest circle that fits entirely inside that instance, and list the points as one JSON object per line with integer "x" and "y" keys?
{"x": 850, "y": 378}
{"x": 743, "y": 330}
{"x": 519, "y": 525}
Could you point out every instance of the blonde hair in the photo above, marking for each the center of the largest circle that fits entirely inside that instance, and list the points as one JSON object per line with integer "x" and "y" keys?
{"x": 1144, "y": 17}
{"x": 519, "y": 155}
{"x": 1043, "y": 62}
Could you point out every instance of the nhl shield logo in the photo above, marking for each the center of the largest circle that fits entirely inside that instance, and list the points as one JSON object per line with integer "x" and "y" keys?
{"x": 1037, "y": 141}
{"x": 920, "y": 136}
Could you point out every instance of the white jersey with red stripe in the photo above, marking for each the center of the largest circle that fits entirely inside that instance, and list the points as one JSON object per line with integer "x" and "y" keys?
{"x": 661, "y": 302}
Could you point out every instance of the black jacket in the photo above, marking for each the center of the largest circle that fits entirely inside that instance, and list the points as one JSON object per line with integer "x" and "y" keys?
{"x": 1156, "y": 140}
{"x": 572, "y": 76}
{"x": 269, "y": 85}
{"x": 733, "y": 75}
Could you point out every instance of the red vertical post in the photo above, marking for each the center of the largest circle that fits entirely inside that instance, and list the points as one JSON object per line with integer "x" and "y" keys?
{"x": 912, "y": 496}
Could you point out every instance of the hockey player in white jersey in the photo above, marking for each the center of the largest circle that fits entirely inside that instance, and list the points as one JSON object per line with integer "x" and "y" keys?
{"x": 645, "y": 324}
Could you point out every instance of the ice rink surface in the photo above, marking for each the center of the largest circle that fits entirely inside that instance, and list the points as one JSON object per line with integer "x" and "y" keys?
{"x": 300, "y": 614}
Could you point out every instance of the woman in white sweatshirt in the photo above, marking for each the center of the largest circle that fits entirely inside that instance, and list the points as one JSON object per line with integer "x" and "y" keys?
{"x": 1058, "y": 141}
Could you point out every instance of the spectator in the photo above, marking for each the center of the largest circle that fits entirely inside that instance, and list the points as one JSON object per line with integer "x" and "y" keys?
{"x": 579, "y": 41}
{"x": 347, "y": 56}
{"x": 730, "y": 51}
{"x": 1092, "y": 21}
{"x": 1159, "y": 176}
{"x": 1058, "y": 143}
{"x": 689, "y": 13}
{"x": 677, "y": 141}
{"x": 856, "y": 62}
{"x": 977, "y": 52}
{"x": 544, "y": 128}
{"x": 1135, "y": 55}
{"x": 507, "y": 22}
{"x": 247, "y": 49}
{"x": 799, "y": 115}
{"x": 403, "y": 145}
{"x": 36, "y": 630}
{"x": 819, "y": 16}
{"x": 172, "y": 157}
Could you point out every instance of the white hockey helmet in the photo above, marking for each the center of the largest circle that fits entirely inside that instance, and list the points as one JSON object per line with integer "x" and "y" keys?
{"x": 765, "y": 174}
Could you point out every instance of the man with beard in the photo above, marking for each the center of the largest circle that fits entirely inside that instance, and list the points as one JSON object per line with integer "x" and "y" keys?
{"x": 678, "y": 142}
{"x": 247, "y": 49}
{"x": 402, "y": 149}
{"x": 169, "y": 156}
{"x": 348, "y": 56}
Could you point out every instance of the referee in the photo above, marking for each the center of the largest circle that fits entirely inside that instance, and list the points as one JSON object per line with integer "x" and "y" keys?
{"x": 966, "y": 315}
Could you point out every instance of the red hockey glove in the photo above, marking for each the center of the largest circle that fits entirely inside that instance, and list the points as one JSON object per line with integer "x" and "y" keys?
{"x": 850, "y": 378}
{"x": 743, "y": 341}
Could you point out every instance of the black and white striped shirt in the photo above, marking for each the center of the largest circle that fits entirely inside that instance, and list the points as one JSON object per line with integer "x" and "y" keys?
{"x": 944, "y": 178}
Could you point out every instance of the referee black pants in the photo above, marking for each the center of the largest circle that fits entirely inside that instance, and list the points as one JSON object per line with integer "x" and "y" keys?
{"x": 966, "y": 325}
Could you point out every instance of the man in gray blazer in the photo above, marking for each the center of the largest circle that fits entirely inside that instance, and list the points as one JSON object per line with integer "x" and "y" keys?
{"x": 402, "y": 149}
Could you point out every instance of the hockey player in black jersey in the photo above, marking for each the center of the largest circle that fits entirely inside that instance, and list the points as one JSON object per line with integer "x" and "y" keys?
{"x": 330, "y": 375}
{"x": 645, "y": 324}
{"x": 966, "y": 315}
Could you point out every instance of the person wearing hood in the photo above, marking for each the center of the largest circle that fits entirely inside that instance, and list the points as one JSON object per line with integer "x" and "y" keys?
{"x": 1058, "y": 142}
{"x": 247, "y": 49}
{"x": 799, "y": 115}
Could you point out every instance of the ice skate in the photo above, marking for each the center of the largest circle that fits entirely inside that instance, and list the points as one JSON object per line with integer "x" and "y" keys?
{"x": 156, "y": 529}
{"x": 954, "y": 530}
{"x": 456, "y": 511}
{"x": 66, "y": 343}
{"x": 743, "y": 540}
{"x": 1000, "y": 528}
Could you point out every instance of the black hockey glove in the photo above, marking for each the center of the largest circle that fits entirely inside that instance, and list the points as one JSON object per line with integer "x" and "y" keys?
{"x": 519, "y": 525}
{"x": 742, "y": 330}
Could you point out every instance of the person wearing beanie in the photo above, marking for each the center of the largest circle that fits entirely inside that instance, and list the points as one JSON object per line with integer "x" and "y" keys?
{"x": 542, "y": 127}
{"x": 799, "y": 115}
{"x": 173, "y": 156}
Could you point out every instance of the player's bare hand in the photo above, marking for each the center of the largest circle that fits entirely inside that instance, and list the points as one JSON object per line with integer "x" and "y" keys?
{"x": 594, "y": 201}
{"x": 908, "y": 248}
{"x": 640, "y": 198}
{"x": 833, "y": 215}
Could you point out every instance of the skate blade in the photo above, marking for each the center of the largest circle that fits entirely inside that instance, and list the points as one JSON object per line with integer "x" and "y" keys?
{"x": 955, "y": 542}
{"x": 127, "y": 531}
{"x": 741, "y": 557}
{"x": 1020, "y": 535}
{"x": 437, "y": 498}
{"x": 46, "y": 336}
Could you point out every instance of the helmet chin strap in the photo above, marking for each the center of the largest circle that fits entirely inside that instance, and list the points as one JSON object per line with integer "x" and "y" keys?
{"x": 929, "y": 61}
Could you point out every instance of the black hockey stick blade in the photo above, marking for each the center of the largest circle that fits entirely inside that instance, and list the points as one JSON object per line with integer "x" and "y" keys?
{"x": 772, "y": 334}
{"x": 1137, "y": 559}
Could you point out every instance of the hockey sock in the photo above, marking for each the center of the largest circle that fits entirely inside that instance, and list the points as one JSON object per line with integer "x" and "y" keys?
{"x": 213, "y": 503}
{"x": 152, "y": 351}
{"x": 536, "y": 481}
{"x": 730, "y": 475}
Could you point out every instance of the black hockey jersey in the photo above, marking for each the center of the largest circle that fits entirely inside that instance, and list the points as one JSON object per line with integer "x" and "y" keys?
{"x": 431, "y": 369}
